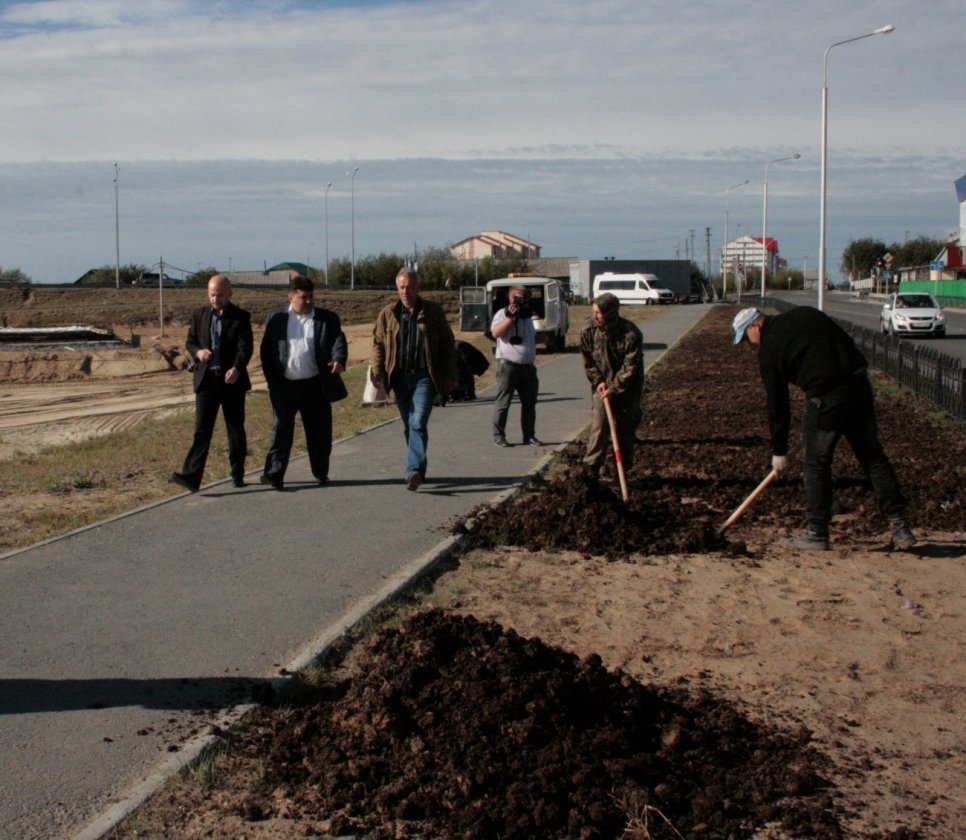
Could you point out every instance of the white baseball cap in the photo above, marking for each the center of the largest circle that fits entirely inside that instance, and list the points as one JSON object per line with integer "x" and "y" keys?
{"x": 742, "y": 321}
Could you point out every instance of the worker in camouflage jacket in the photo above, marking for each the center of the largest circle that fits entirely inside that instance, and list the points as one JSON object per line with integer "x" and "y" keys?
{"x": 613, "y": 352}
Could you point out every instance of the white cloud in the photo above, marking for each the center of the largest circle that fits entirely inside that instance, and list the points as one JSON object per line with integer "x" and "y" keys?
{"x": 600, "y": 126}
{"x": 190, "y": 80}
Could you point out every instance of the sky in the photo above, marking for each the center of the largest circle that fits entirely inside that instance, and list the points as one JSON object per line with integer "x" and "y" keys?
{"x": 611, "y": 128}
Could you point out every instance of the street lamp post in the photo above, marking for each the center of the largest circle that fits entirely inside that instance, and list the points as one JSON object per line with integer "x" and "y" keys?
{"x": 325, "y": 192}
{"x": 352, "y": 205}
{"x": 117, "y": 226}
{"x": 724, "y": 267}
{"x": 764, "y": 226}
{"x": 884, "y": 30}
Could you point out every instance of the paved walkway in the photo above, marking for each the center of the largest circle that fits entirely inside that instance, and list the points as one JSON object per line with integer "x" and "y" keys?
{"x": 117, "y": 638}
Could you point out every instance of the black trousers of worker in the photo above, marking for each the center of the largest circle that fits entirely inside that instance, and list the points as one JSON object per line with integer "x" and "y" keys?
{"x": 212, "y": 395}
{"x": 306, "y": 398}
{"x": 848, "y": 410}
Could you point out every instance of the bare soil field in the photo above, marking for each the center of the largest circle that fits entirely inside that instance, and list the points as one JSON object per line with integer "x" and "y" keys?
{"x": 590, "y": 669}
{"x": 63, "y": 395}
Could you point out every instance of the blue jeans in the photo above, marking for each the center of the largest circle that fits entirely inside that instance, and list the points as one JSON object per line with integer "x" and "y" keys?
{"x": 415, "y": 396}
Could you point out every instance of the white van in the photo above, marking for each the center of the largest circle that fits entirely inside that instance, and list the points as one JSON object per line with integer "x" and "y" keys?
{"x": 633, "y": 288}
{"x": 547, "y": 297}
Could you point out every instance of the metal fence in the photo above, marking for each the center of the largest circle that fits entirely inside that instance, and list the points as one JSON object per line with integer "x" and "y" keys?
{"x": 935, "y": 376}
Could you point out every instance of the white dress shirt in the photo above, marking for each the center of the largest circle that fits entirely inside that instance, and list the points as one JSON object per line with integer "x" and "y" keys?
{"x": 300, "y": 362}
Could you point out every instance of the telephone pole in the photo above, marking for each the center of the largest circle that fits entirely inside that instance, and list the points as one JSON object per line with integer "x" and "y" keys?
{"x": 707, "y": 251}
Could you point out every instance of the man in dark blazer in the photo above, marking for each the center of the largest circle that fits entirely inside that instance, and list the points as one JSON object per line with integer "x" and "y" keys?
{"x": 220, "y": 345}
{"x": 303, "y": 352}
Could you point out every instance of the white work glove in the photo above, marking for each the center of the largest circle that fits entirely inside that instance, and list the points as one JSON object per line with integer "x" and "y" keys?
{"x": 779, "y": 462}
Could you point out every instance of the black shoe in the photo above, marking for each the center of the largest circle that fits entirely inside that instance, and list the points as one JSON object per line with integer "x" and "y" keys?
{"x": 323, "y": 481}
{"x": 808, "y": 541}
{"x": 534, "y": 441}
{"x": 184, "y": 481}
{"x": 500, "y": 442}
{"x": 902, "y": 537}
{"x": 238, "y": 482}
{"x": 413, "y": 481}
{"x": 275, "y": 482}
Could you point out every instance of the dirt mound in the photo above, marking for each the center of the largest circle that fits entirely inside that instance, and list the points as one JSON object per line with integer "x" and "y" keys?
{"x": 701, "y": 451}
{"x": 452, "y": 727}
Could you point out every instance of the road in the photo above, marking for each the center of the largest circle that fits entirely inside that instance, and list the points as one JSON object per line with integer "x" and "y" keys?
{"x": 865, "y": 312}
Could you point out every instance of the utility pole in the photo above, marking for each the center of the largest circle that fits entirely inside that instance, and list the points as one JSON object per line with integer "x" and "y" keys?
{"x": 117, "y": 226}
{"x": 161, "y": 293}
{"x": 707, "y": 251}
{"x": 691, "y": 235}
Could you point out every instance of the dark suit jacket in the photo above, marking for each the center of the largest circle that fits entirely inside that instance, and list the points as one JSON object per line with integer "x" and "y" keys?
{"x": 330, "y": 344}
{"x": 237, "y": 343}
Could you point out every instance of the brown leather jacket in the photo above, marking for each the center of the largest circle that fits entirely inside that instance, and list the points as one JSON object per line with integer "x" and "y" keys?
{"x": 439, "y": 343}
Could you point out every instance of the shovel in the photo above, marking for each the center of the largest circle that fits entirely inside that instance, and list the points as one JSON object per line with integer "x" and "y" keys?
{"x": 746, "y": 503}
{"x": 617, "y": 447}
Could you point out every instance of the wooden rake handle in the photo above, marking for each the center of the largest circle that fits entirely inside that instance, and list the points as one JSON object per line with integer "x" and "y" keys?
{"x": 617, "y": 448}
{"x": 747, "y": 502}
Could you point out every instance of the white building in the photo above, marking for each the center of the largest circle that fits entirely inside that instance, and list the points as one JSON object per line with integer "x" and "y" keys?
{"x": 745, "y": 251}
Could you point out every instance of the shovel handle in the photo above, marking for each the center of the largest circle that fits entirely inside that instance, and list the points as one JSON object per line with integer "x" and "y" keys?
{"x": 617, "y": 448}
{"x": 744, "y": 505}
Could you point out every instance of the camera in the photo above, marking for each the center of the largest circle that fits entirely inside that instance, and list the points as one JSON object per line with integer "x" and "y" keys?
{"x": 522, "y": 302}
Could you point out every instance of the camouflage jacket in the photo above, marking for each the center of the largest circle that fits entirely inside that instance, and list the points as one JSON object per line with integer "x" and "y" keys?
{"x": 614, "y": 356}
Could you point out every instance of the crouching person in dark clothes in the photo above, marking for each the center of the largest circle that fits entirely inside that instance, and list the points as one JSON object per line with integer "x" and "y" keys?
{"x": 808, "y": 348}
{"x": 613, "y": 353}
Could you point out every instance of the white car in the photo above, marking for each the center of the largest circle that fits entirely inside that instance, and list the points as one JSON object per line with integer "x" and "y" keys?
{"x": 913, "y": 313}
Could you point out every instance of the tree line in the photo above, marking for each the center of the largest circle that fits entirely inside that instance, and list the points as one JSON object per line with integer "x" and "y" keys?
{"x": 438, "y": 268}
{"x": 861, "y": 255}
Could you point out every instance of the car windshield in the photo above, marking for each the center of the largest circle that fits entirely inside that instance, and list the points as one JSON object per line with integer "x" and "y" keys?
{"x": 915, "y": 302}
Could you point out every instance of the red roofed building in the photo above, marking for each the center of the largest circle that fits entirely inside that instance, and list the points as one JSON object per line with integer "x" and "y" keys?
{"x": 495, "y": 244}
{"x": 746, "y": 251}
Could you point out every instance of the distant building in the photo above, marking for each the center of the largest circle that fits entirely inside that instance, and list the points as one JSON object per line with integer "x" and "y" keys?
{"x": 277, "y": 275}
{"x": 495, "y": 244}
{"x": 745, "y": 251}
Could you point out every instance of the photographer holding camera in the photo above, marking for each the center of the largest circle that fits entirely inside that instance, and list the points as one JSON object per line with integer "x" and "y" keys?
{"x": 516, "y": 353}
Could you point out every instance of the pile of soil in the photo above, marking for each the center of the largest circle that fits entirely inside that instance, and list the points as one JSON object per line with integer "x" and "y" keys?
{"x": 701, "y": 450}
{"x": 451, "y": 727}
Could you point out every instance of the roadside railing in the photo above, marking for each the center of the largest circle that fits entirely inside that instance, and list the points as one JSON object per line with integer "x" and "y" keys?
{"x": 937, "y": 377}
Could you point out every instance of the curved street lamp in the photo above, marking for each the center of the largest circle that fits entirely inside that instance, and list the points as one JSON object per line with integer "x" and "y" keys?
{"x": 764, "y": 226}
{"x": 724, "y": 267}
{"x": 352, "y": 184}
{"x": 884, "y": 30}
{"x": 325, "y": 194}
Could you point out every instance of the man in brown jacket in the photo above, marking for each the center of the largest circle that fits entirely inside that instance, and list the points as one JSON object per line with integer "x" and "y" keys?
{"x": 414, "y": 356}
{"x": 613, "y": 353}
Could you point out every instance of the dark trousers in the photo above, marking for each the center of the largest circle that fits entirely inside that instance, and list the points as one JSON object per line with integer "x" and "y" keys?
{"x": 850, "y": 411}
{"x": 303, "y": 397}
{"x": 212, "y": 395}
{"x": 627, "y": 415}
{"x": 521, "y": 379}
